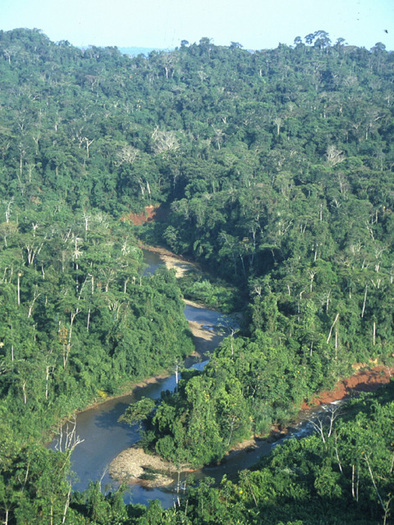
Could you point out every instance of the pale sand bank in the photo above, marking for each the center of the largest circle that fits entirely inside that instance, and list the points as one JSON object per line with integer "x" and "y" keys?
{"x": 133, "y": 464}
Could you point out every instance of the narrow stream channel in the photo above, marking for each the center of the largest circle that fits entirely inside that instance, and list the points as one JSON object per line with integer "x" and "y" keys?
{"x": 104, "y": 437}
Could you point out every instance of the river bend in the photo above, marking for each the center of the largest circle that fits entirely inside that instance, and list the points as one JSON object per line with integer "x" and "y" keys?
{"x": 103, "y": 437}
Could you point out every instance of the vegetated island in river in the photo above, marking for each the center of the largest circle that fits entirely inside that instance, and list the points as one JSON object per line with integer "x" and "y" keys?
{"x": 135, "y": 466}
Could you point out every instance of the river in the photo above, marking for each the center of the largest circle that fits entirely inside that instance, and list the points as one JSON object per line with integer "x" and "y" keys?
{"x": 103, "y": 437}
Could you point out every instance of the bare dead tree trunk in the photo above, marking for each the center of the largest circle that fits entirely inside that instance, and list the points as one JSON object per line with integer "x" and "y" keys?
{"x": 332, "y": 327}
{"x": 24, "y": 392}
{"x": 384, "y": 506}
{"x": 353, "y": 493}
{"x": 319, "y": 427}
{"x": 88, "y": 321}
{"x": 72, "y": 318}
{"x": 32, "y": 305}
{"x": 336, "y": 453}
{"x": 8, "y": 210}
{"x": 66, "y": 505}
{"x": 67, "y": 437}
{"x": 32, "y": 252}
{"x": 364, "y": 302}
{"x": 321, "y": 422}
{"x": 88, "y": 144}
{"x": 19, "y": 288}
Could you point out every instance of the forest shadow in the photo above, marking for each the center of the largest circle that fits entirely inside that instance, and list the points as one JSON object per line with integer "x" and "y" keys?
{"x": 110, "y": 419}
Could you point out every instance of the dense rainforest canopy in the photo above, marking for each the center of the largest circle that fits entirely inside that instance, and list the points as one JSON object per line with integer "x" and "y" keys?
{"x": 275, "y": 172}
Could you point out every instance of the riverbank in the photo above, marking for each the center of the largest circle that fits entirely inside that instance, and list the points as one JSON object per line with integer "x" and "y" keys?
{"x": 366, "y": 379}
{"x": 134, "y": 466}
{"x": 205, "y": 341}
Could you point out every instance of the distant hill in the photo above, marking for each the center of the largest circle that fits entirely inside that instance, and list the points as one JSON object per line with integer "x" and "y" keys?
{"x": 134, "y": 51}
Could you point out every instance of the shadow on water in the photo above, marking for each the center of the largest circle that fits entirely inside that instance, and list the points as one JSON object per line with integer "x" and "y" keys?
{"x": 152, "y": 262}
{"x": 110, "y": 419}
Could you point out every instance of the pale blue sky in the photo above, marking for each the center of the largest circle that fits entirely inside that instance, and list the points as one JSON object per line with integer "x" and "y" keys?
{"x": 256, "y": 24}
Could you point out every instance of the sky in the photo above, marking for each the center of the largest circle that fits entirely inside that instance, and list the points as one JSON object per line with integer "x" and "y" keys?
{"x": 163, "y": 24}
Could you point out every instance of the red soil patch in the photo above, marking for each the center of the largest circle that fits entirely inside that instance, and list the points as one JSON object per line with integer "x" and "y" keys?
{"x": 363, "y": 381}
{"x": 150, "y": 214}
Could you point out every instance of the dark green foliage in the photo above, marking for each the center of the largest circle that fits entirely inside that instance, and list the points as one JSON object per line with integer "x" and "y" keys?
{"x": 138, "y": 411}
{"x": 247, "y": 386}
{"x": 78, "y": 321}
{"x": 347, "y": 478}
{"x": 212, "y": 293}
{"x": 77, "y": 317}
{"x": 277, "y": 169}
